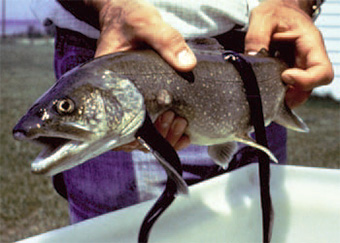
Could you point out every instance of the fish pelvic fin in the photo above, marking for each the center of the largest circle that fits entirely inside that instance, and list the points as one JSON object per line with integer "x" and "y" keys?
{"x": 222, "y": 154}
{"x": 251, "y": 142}
{"x": 287, "y": 118}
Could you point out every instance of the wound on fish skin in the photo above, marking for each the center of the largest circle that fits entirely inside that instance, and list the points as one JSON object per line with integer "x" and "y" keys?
{"x": 164, "y": 97}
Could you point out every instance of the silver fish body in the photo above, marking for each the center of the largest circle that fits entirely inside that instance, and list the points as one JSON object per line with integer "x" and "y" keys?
{"x": 101, "y": 104}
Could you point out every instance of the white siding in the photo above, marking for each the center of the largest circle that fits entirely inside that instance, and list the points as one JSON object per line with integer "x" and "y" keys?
{"x": 329, "y": 24}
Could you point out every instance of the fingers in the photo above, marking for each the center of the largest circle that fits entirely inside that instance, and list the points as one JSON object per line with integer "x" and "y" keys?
{"x": 110, "y": 42}
{"x": 260, "y": 30}
{"x": 169, "y": 43}
{"x": 286, "y": 22}
{"x": 308, "y": 79}
{"x": 164, "y": 121}
{"x": 313, "y": 67}
{"x": 176, "y": 131}
{"x": 172, "y": 128}
{"x": 124, "y": 24}
{"x": 267, "y": 19}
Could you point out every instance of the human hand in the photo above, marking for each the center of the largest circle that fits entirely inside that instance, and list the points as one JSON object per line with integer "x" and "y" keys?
{"x": 126, "y": 25}
{"x": 171, "y": 127}
{"x": 279, "y": 20}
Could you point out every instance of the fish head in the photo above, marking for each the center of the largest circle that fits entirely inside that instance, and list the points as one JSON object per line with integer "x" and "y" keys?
{"x": 87, "y": 112}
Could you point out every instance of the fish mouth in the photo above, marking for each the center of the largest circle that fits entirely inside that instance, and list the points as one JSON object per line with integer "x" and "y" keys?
{"x": 55, "y": 151}
{"x": 51, "y": 142}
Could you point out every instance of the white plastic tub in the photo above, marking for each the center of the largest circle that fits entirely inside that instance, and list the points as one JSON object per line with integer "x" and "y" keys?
{"x": 227, "y": 209}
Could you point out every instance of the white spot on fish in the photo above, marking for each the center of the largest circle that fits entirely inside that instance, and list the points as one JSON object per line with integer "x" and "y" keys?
{"x": 45, "y": 115}
{"x": 93, "y": 122}
{"x": 164, "y": 97}
{"x": 107, "y": 72}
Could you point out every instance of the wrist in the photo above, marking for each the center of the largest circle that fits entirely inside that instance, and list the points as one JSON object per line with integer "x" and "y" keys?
{"x": 311, "y": 7}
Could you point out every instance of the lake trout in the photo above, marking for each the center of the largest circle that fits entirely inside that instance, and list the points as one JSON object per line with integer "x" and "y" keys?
{"x": 100, "y": 105}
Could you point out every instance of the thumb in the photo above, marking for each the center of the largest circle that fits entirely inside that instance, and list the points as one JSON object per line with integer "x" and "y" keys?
{"x": 259, "y": 33}
{"x": 110, "y": 41}
{"x": 170, "y": 44}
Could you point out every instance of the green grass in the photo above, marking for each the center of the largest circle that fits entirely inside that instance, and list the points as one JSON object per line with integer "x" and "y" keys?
{"x": 321, "y": 146}
{"x": 30, "y": 206}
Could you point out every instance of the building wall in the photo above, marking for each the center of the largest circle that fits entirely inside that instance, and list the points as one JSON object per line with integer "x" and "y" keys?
{"x": 329, "y": 24}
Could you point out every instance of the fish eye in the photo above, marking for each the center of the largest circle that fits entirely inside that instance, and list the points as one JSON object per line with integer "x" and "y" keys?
{"x": 65, "y": 106}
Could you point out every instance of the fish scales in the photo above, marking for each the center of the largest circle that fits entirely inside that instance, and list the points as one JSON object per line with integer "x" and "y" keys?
{"x": 198, "y": 101}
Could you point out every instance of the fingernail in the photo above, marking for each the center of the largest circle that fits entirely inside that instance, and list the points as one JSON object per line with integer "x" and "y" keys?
{"x": 251, "y": 53}
{"x": 185, "y": 58}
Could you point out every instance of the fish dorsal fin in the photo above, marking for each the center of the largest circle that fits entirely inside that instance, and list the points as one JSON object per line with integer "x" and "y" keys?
{"x": 287, "y": 118}
{"x": 222, "y": 154}
{"x": 251, "y": 142}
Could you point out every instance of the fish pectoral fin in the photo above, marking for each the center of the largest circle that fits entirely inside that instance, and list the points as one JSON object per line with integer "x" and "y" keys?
{"x": 287, "y": 118}
{"x": 251, "y": 142}
{"x": 222, "y": 154}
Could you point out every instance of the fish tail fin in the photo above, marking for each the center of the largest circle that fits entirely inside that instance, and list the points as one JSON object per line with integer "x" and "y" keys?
{"x": 287, "y": 118}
